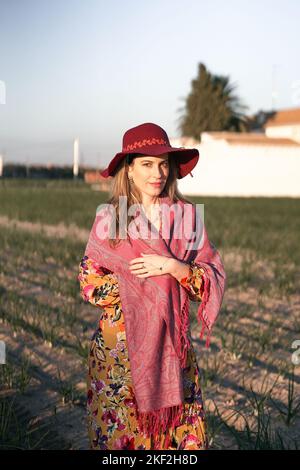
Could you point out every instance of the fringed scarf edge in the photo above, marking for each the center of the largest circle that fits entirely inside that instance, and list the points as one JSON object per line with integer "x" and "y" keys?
{"x": 205, "y": 327}
{"x": 184, "y": 346}
{"x": 158, "y": 422}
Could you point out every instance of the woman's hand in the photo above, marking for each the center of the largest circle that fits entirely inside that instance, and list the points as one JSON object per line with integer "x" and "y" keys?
{"x": 149, "y": 265}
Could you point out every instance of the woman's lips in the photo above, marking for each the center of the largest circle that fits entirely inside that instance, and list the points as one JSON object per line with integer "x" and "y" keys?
{"x": 157, "y": 184}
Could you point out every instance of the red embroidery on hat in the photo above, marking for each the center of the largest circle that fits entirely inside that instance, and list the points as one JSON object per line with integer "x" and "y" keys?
{"x": 143, "y": 143}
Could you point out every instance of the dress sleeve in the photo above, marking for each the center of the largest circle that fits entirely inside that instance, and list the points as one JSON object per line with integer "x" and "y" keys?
{"x": 194, "y": 282}
{"x": 98, "y": 285}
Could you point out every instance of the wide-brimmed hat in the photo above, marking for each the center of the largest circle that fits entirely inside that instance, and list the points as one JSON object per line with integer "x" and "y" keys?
{"x": 151, "y": 139}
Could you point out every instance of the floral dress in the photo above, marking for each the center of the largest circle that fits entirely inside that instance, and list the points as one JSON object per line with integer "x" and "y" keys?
{"x": 111, "y": 420}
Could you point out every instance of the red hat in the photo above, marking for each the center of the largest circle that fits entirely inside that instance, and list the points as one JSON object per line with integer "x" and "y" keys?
{"x": 151, "y": 139}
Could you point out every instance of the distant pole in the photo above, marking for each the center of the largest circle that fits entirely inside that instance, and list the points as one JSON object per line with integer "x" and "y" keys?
{"x": 76, "y": 158}
{"x": 1, "y": 166}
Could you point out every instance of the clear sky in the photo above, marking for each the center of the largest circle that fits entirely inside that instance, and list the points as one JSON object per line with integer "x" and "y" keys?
{"x": 94, "y": 68}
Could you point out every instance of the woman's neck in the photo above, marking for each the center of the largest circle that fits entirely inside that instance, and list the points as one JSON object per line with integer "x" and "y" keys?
{"x": 148, "y": 202}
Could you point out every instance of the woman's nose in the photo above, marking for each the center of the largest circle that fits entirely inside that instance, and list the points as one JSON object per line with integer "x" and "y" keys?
{"x": 157, "y": 172}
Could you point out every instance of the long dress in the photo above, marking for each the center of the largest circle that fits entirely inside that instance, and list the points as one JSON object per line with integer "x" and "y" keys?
{"x": 111, "y": 421}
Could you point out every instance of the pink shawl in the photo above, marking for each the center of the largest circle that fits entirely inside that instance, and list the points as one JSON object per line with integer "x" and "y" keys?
{"x": 156, "y": 309}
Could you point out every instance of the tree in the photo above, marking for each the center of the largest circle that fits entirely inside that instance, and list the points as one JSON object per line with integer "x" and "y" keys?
{"x": 257, "y": 121}
{"x": 211, "y": 106}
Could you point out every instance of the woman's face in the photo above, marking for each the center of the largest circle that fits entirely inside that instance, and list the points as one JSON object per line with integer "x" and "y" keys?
{"x": 146, "y": 170}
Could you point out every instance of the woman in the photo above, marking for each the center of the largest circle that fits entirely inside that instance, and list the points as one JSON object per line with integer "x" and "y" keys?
{"x": 142, "y": 266}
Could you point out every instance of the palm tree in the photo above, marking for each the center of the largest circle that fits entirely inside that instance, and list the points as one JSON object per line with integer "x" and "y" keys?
{"x": 211, "y": 106}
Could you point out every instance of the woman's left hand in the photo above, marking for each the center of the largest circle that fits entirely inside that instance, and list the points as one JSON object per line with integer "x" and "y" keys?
{"x": 152, "y": 264}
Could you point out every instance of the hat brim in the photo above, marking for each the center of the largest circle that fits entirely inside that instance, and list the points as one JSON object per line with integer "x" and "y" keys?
{"x": 187, "y": 159}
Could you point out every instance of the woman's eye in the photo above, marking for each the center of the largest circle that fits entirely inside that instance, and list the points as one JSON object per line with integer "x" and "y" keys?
{"x": 149, "y": 164}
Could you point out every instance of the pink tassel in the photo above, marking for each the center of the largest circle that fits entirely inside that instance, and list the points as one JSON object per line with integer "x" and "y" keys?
{"x": 157, "y": 422}
{"x": 200, "y": 316}
{"x": 167, "y": 441}
{"x": 184, "y": 345}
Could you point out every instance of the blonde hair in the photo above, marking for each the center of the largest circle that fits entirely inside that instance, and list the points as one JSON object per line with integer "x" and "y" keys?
{"x": 122, "y": 187}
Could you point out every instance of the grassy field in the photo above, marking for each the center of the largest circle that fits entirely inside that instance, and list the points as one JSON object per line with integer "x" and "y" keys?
{"x": 250, "y": 384}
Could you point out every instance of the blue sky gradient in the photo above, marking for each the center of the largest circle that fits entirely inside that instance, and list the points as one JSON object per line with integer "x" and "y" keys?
{"x": 92, "y": 69}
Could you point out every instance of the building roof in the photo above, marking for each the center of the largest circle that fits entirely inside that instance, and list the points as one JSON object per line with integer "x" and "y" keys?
{"x": 247, "y": 138}
{"x": 284, "y": 117}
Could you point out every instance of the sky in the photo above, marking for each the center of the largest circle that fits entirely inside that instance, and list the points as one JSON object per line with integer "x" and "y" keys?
{"x": 93, "y": 69}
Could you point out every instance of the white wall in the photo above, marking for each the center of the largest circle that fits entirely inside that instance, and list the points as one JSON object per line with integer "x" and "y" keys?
{"x": 288, "y": 131}
{"x": 244, "y": 170}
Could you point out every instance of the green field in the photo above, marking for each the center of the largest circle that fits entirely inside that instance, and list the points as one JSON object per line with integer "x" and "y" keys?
{"x": 250, "y": 384}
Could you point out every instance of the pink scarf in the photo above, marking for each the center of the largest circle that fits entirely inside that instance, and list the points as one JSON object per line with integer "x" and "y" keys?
{"x": 156, "y": 309}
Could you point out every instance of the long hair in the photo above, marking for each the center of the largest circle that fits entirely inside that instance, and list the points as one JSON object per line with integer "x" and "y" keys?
{"x": 122, "y": 187}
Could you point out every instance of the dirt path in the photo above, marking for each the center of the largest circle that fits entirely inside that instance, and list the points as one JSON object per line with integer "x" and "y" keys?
{"x": 230, "y": 371}
{"x": 57, "y": 231}
{"x": 43, "y": 400}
